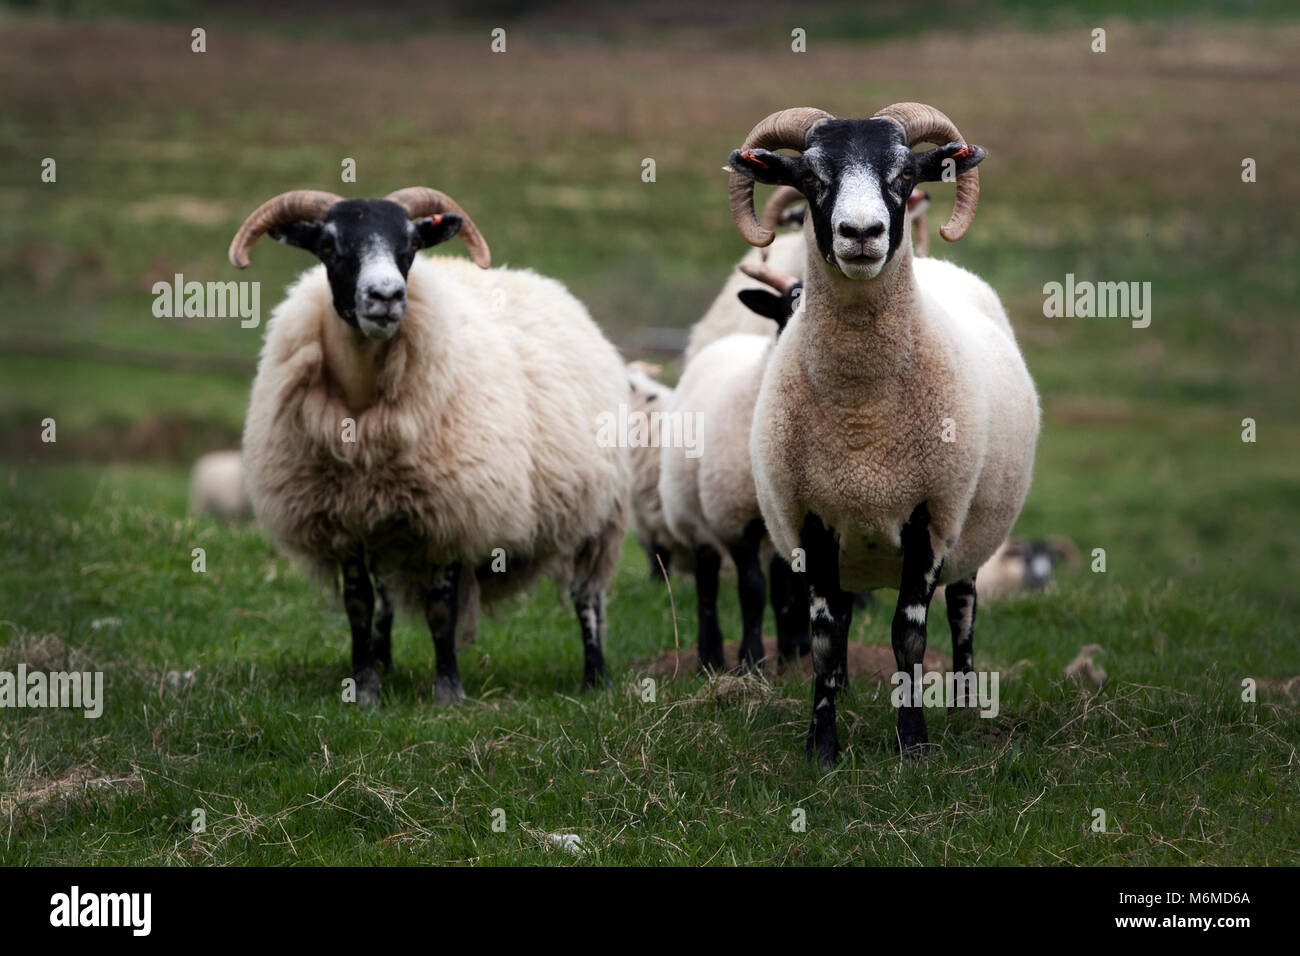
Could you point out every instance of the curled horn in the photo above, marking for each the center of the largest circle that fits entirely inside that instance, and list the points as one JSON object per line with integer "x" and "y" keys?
{"x": 765, "y": 274}
{"x": 782, "y": 199}
{"x": 422, "y": 201}
{"x": 298, "y": 205}
{"x": 784, "y": 129}
{"x": 925, "y": 124}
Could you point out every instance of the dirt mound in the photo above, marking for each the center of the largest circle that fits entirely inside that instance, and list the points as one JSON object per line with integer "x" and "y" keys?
{"x": 873, "y": 662}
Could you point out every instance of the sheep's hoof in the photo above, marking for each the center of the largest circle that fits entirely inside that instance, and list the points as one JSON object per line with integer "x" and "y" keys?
{"x": 367, "y": 687}
{"x": 825, "y": 746}
{"x": 913, "y": 739}
{"x": 447, "y": 691}
{"x": 750, "y": 660}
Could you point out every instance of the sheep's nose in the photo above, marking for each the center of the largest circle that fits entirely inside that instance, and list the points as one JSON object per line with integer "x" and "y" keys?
{"x": 386, "y": 294}
{"x": 848, "y": 230}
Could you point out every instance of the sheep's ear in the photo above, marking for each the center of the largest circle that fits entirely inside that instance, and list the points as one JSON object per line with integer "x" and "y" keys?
{"x": 434, "y": 230}
{"x": 765, "y": 166}
{"x": 304, "y": 235}
{"x": 933, "y": 167}
{"x": 767, "y": 304}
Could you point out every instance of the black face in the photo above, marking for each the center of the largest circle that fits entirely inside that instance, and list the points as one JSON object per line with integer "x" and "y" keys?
{"x": 367, "y": 246}
{"x": 857, "y": 176}
{"x": 778, "y": 308}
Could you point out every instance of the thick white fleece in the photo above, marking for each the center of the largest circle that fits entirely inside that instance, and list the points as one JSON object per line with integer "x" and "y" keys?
{"x": 710, "y": 499}
{"x": 861, "y": 390}
{"x": 482, "y": 434}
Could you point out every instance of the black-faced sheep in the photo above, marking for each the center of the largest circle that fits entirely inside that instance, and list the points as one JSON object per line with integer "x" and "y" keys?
{"x": 431, "y": 424}
{"x": 895, "y": 427}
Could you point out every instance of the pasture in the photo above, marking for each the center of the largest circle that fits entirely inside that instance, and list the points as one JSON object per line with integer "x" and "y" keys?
{"x": 1121, "y": 166}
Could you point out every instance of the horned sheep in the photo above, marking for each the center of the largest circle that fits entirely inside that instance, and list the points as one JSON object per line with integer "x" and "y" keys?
{"x": 895, "y": 427}
{"x": 429, "y": 428}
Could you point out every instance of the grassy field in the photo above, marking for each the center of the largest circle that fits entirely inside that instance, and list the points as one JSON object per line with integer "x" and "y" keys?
{"x": 1117, "y": 166}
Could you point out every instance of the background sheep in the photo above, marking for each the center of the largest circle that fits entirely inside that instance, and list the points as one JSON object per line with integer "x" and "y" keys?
{"x": 217, "y": 486}
{"x": 896, "y": 423}
{"x": 405, "y": 431}
{"x": 709, "y": 500}
{"x": 650, "y": 396}
{"x": 1021, "y": 566}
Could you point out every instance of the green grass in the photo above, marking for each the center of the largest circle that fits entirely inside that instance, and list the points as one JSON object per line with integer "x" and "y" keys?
{"x": 285, "y": 771}
{"x": 1116, "y": 167}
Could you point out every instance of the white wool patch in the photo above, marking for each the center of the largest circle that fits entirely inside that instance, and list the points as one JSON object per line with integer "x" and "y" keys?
{"x": 915, "y": 613}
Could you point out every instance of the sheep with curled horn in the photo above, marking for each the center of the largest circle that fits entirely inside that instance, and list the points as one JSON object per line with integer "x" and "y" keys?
{"x": 785, "y": 209}
{"x": 894, "y": 432}
{"x": 426, "y": 427}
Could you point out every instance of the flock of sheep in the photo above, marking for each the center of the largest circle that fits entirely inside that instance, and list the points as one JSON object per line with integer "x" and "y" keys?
{"x": 426, "y": 428}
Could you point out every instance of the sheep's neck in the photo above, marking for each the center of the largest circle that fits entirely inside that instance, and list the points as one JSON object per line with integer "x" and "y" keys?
{"x": 861, "y": 332}
{"x": 353, "y": 363}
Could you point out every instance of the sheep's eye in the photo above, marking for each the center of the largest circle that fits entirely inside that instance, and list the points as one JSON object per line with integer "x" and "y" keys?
{"x": 415, "y": 244}
{"x": 906, "y": 173}
{"x": 327, "y": 248}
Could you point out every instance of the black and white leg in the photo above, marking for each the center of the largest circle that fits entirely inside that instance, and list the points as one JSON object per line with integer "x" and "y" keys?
{"x": 381, "y": 638}
{"x": 708, "y": 564}
{"x": 441, "y": 612}
{"x": 359, "y": 602}
{"x": 921, "y": 567}
{"x": 590, "y": 608}
{"x": 752, "y": 589}
{"x": 961, "y": 619}
{"x": 790, "y": 607}
{"x": 830, "y": 610}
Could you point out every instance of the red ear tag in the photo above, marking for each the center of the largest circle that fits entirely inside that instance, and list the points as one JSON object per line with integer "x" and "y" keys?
{"x": 437, "y": 218}
{"x": 749, "y": 155}
{"x": 963, "y": 152}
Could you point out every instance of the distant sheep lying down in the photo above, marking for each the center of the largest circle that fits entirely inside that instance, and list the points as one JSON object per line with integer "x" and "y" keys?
{"x": 1021, "y": 567}
{"x": 217, "y": 486}
{"x": 430, "y": 426}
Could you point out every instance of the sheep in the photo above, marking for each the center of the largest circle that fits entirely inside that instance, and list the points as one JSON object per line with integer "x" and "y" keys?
{"x": 1021, "y": 566}
{"x": 663, "y": 551}
{"x": 896, "y": 423}
{"x": 709, "y": 502}
{"x": 217, "y": 486}
{"x": 431, "y": 425}
{"x": 786, "y": 256}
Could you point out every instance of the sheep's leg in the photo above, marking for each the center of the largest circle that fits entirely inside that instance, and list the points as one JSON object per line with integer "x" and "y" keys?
{"x": 381, "y": 639}
{"x": 661, "y": 561}
{"x": 708, "y": 562}
{"x": 441, "y": 609}
{"x": 790, "y": 607}
{"x": 961, "y": 619}
{"x": 752, "y": 588}
{"x": 921, "y": 567}
{"x": 831, "y": 613}
{"x": 359, "y": 602}
{"x": 590, "y": 608}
